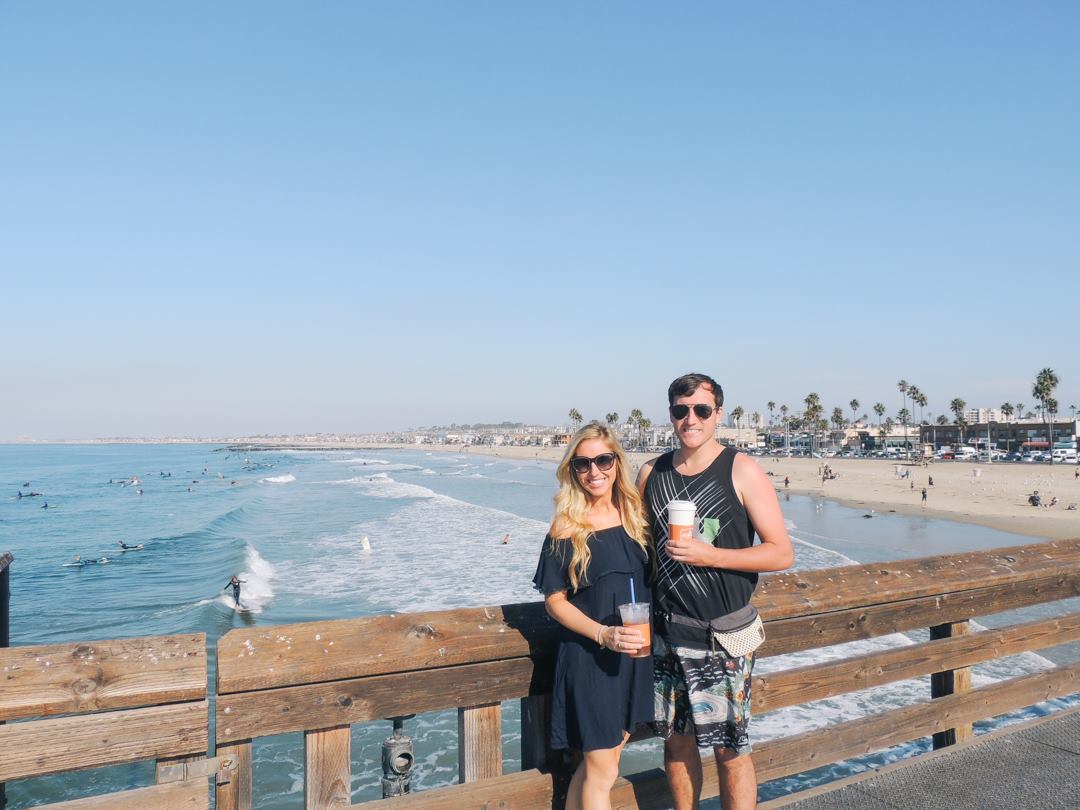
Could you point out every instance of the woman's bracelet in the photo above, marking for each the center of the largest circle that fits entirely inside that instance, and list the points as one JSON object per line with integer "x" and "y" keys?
{"x": 600, "y": 635}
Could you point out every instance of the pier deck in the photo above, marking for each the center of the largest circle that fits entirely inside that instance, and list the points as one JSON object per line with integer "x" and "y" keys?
{"x": 1035, "y": 766}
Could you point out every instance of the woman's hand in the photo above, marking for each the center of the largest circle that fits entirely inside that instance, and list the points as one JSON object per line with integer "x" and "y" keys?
{"x": 621, "y": 639}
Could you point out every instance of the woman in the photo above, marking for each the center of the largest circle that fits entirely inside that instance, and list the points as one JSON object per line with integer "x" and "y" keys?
{"x": 596, "y": 546}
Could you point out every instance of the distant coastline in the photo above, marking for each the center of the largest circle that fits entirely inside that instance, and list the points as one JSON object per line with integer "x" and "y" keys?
{"x": 992, "y": 495}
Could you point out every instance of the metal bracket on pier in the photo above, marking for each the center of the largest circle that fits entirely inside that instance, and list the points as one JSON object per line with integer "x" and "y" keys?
{"x": 398, "y": 758}
{"x": 221, "y": 769}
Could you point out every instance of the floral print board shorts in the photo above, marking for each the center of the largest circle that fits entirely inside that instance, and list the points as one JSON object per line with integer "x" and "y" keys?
{"x": 703, "y": 693}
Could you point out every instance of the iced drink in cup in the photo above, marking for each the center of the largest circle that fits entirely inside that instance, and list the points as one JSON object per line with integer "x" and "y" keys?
{"x": 682, "y": 518}
{"x": 635, "y": 616}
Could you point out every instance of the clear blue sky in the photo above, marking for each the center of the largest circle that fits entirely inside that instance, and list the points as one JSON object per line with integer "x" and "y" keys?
{"x": 222, "y": 218}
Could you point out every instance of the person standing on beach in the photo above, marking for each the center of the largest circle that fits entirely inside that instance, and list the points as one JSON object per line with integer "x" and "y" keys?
{"x": 702, "y": 692}
{"x": 924, "y": 496}
{"x": 594, "y": 558}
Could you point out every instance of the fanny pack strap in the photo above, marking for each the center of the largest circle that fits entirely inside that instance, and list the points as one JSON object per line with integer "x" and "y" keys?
{"x": 728, "y": 623}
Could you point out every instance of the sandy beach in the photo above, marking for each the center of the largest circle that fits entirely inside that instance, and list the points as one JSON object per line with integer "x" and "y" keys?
{"x": 993, "y": 495}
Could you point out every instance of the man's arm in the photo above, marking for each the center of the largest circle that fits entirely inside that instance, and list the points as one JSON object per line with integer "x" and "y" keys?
{"x": 758, "y": 497}
{"x": 643, "y": 476}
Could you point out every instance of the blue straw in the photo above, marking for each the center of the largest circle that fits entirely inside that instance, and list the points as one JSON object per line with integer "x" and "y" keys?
{"x": 632, "y": 599}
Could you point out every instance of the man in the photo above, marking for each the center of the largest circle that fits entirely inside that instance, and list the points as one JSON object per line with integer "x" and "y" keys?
{"x": 702, "y": 693}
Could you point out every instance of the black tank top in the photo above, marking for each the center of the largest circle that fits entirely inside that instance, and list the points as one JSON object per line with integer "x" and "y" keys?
{"x": 689, "y": 590}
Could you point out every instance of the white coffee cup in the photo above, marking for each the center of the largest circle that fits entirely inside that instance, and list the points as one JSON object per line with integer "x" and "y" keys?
{"x": 682, "y": 518}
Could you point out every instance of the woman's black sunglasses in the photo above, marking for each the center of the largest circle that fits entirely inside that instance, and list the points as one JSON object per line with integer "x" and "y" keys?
{"x": 700, "y": 411}
{"x": 582, "y": 464}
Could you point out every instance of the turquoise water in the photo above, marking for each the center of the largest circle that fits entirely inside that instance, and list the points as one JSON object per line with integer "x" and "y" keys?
{"x": 291, "y": 525}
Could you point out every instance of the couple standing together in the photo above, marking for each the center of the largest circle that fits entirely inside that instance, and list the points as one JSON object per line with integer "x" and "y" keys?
{"x": 609, "y": 531}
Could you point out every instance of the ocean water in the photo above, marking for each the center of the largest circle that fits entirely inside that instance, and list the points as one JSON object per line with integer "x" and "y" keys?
{"x": 291, "y": 525}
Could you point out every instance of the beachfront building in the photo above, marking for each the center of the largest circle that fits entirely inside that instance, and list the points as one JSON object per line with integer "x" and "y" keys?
{"x": 976, "y": 416}
{"x": 1007, "y": 436}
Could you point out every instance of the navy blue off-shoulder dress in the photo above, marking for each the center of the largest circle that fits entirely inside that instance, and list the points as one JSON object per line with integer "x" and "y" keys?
{"x": 598, "y": 693}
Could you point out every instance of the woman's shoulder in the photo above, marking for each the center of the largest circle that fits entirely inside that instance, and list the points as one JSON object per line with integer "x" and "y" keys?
{"x": 560, "y": 528}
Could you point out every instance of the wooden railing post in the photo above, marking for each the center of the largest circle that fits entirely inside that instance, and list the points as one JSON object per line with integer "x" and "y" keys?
{"x": 328, "y": 768}
{"x": 5, "y": 638}
{"x": 480, "y": 742}
{"x": 949, "y": 682}
{"x": 536, "y": 733}
{"x": 236, "y": 793}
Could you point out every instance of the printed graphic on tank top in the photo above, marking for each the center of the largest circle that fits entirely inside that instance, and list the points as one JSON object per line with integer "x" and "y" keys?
{"x": 689, "y": 590}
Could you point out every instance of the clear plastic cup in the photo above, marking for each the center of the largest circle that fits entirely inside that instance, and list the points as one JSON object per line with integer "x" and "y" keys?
{"x": 636, "y": 616}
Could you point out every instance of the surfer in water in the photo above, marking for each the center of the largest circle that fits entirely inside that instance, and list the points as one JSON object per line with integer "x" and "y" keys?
{"x": 235, "y": 582}
{"x": 124, "y": 546}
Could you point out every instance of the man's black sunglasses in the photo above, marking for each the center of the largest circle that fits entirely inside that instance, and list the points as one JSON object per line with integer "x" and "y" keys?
{"x": 582, "y": 464}
{"x": 700, "y": 411}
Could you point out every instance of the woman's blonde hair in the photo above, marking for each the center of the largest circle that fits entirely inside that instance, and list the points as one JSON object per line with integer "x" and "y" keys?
{"x": 572, "y": 503}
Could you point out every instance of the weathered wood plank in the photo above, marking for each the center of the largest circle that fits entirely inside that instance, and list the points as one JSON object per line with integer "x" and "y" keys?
{"x": 526, "y": 790}
{"x": 254, "y": 714}
{"x": 837, "y": 627}
{"x": 193, "y": 794}
{"x": 260, "y": 658}
{"x": 41, "y": 747}
{"x": 811, "y": 749}
{"x": 328, "y": 768}
{"x": 951, "y": 681}
{"x": 800, "y": 593}
{"x": 791, "y": 687}
{"x": 532, "y": 790}
{"x": 480, "y": 742}
{"x": 301, "y": 708}
{"x": 236, "y": 793}
{"x": 53, "y": 679}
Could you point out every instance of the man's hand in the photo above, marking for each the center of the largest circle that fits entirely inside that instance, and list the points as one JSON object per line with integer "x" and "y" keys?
{"x": 691, "y": 552}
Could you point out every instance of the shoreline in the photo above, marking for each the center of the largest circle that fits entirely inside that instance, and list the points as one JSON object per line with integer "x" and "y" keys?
{"x": 990, "y": 495}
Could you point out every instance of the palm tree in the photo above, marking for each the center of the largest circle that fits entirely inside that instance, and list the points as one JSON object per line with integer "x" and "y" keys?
{"x": 922, "y": 402}
{"x": 1043, "y": 390}
{"x": 772, "y": 407}
{"x": 1007, "y": 409}
{"x": 957, "y": 407}
{"x": 1019, "y": 410}
{"x": 787, "y": 426}
{"x": 736, "y": 415}
{"x": 854, "y": 405}
{"x": 812, "y": 415}
{"x": 904, "y": 387}
{"x": 643, "y": 424}
{"x": 575, "y": 417}
{"x": 838, "y": 420}
{"x": 942, "y": 420}
{"x": 635, "y": 422}
{"x": 913, "y": 394}
{"x": 879, "y": 409}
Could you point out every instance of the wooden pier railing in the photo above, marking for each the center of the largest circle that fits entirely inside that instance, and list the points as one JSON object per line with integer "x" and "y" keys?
{"x": 322, "y": 677}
